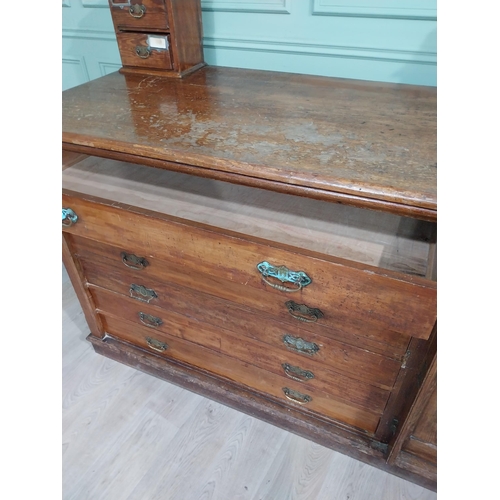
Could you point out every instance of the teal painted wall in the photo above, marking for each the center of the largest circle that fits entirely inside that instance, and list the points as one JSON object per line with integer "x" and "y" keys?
{"x": 389, "y": 40}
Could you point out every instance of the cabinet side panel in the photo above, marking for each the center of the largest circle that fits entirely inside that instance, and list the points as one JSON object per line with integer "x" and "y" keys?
{"x": 415, "y": 448}
{"x": 186, "y": 28}
{"x": 415, "y": 368}
{"x": 426, "y": 428}
{"x": 78, "y": 281}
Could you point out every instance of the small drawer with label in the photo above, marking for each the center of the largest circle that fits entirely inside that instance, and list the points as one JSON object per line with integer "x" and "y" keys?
{"x": 145, "y": 50}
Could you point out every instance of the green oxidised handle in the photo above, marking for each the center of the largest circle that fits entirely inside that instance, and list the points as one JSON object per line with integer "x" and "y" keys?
{"x": 298, "y": 279}
{"x": 68, "y": 217}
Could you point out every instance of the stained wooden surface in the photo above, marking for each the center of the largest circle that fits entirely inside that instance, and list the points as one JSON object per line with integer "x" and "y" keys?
{"x": 130, "y": 436}
{"x": 369, "y": 141}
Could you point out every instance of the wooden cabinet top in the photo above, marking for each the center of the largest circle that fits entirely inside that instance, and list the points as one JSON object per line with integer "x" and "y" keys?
{"x": 366, "y": 144}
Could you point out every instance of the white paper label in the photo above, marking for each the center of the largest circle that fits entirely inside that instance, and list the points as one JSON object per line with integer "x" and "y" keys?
{"x": 158, "y": 42}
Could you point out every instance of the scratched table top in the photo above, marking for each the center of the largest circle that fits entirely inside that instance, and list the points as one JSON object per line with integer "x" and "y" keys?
{"x": 363, "y": 143}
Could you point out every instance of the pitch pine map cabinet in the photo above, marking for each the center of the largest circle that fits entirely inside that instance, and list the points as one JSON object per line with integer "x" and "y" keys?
{"x": 267, "y": 240}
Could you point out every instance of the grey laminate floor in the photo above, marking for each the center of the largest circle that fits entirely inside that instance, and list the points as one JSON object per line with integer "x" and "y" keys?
{"x": 127, "y": 435}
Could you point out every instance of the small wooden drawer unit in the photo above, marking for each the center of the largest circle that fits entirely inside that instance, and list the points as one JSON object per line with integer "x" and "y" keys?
{"x": 314, "y": 308}
{"x": 158, "y": 37}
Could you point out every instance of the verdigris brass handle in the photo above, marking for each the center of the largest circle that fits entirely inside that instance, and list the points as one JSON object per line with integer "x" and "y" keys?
{"x": 137, "y": 11}
{"x": 156, "y": 345}
{"x": 296, "y": 397}
{"x": 298, "y": 279}
{"x": 148, "y": 320}
{"x": 68, "y": 217}
{"x": 143, "y": 52}
{"x": 297, "y": 373}
{"x": 140, "y": 292}
{"x": 300, "y": 345}
{"x": 134, "y": 262}
{"x": 303, "y": 312}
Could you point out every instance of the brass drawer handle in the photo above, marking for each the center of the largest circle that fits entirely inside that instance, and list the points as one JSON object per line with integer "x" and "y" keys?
{"x": 140, "y": 292}
{"x": 296, "y": 397}
{"x": 303, "y": 312}
{"x": 297, "y": 373}
{"x": 151, "y": 321}
{"x": 68, "y": 217}
{"x": 299, "y": 279}
{"x": 143, "y": 52}
{"x": 137, "y": 11}
{"x": 134, "y": 262}
{"x": 300, "y": 345}
{"x": 156, "y": 345}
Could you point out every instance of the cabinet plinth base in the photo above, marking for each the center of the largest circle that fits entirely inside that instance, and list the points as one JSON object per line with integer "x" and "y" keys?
{"x": 127, "y": 70}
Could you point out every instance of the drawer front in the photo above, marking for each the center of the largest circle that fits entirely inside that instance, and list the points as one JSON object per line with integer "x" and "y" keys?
{"x": 95, "y": 253}
{"x": 249, "y": 375}
{"x": 300, "y": 347}
{"x": 277, "y": 361}
{"x": 139, "y": 14}
{"x": 138, "y": 49}
{"x": 349, "y": 295}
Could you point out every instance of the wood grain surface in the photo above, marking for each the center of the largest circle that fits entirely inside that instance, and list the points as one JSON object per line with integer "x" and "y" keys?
{"x": 369, "y": 140}
{"x": 131, "y": 436}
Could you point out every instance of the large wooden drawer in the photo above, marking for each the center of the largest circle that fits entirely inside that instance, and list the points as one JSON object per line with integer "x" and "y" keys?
{"x": 377, "y": 340}
{"x": 301, "y": 346}
{"x": 346, "y": 293}
{"x": 247, "y": 374}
